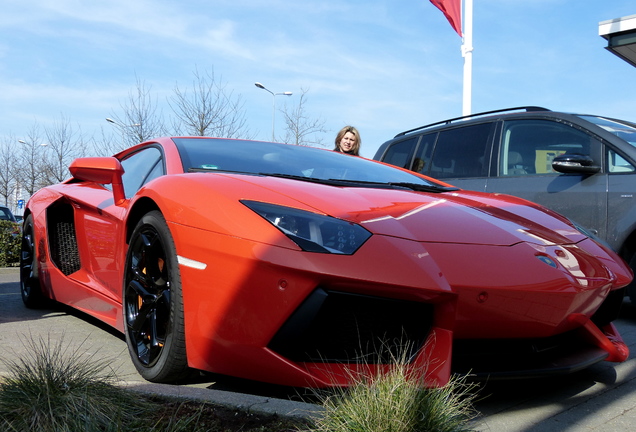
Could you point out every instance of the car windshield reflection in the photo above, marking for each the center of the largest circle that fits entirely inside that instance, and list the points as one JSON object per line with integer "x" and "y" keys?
{"x": 290, "y": 161}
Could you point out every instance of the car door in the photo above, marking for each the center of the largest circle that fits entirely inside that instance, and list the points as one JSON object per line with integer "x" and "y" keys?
{"x": 621, "y": 217}
{"x": 102, "y": 222}
{"x": 525, "y": 150}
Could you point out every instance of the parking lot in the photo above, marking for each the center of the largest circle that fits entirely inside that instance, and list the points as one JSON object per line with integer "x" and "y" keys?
{"x": 602, "y": 398}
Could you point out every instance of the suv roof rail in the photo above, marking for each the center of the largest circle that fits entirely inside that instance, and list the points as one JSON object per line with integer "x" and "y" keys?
{"x": 526, "y": 108}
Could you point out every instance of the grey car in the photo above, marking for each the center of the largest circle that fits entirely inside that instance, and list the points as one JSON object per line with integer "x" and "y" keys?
{"x": 582, "y": 166}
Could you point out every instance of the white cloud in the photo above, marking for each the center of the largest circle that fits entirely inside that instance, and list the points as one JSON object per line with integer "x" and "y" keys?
{"x": 385, "y": 66}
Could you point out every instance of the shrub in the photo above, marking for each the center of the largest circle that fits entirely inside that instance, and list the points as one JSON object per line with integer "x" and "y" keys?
{"x": 9, "y": 243}
{"x": 397, "y": 401}
{"x": 55, "y": 388}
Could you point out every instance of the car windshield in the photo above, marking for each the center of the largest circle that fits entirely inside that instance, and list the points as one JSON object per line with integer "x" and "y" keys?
{"x": 291, "y": 161}
{"x": 624, "y": 130}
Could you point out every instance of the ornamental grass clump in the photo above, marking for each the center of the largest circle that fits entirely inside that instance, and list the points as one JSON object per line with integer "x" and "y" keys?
{"x": 396, "y": 400}
{"x": 55, "y": 388}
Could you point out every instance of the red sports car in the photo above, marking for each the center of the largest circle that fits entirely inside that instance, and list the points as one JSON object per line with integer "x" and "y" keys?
{"x": 298, "y": 266}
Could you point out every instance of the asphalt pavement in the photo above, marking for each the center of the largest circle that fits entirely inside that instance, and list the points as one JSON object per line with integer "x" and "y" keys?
{"x": 601, "y": 398}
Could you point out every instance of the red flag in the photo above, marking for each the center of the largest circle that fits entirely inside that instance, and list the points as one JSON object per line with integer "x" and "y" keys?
{"x": 452, "y": 9}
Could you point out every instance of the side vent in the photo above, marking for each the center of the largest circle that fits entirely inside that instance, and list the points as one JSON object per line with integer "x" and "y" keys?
{"x": 62, "y": 239}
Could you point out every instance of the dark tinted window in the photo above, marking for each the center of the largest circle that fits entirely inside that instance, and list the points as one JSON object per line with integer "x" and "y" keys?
{"x": 461, "y": 152}
{"x": 401, "y": 153}
{"x": 422, "y": 161}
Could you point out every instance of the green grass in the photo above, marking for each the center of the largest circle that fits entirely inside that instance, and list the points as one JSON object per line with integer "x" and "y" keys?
{"x": 55, "y": 388}
{"x": 397, "y": 400}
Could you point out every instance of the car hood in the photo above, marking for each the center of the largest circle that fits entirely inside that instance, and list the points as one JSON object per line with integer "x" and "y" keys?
{"x": 449, "y": 217}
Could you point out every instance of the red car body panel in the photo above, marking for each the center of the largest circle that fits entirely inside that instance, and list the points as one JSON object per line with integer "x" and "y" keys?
{"x": 465, "y": 253}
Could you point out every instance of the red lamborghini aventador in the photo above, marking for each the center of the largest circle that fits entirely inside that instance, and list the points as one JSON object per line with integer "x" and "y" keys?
{"x": 296, "y": 265}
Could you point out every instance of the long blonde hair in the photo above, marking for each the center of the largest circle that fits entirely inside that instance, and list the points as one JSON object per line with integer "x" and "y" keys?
{"x": 341, "y": 134}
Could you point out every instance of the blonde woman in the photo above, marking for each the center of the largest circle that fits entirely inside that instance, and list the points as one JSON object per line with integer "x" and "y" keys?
{"x": 348, "y": 141}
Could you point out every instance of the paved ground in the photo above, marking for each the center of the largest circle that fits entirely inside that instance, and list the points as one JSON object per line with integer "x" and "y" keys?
{"x": 602, "y": 398}
{"x": 81, "y": 334}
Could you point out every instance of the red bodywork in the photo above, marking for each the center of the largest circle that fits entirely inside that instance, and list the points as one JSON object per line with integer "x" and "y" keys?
{"x": 492, "y": 267}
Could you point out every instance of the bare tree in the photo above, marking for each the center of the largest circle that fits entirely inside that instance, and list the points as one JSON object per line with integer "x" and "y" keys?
{"x": 139, "y": 120}
{"x": 107, "y": 143}
{"x": 63, "y": 145}
{"x": 300, "y": 128}
{"x": 208, "y": 109}
{"x": 8, "y": 171}
{"x": 32, "y": 160}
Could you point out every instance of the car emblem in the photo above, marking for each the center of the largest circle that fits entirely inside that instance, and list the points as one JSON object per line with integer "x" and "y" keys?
{"x": 549, "y": 261}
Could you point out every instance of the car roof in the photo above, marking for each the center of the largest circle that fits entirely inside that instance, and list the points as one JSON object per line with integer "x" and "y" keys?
{"x": 474, "y": 117}
{"x": 519, "y": 112}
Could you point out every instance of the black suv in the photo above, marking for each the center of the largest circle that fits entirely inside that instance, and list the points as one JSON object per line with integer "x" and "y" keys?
{"x": 582, "y": 166}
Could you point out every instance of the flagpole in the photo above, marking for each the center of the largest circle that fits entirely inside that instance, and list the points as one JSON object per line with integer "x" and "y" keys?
{"x": 467, "y": 53}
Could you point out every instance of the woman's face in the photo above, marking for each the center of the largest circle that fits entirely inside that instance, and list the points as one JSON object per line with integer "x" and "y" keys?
{"x": 348, "y": 142}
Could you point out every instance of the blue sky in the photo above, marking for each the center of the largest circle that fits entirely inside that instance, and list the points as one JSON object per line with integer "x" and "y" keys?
{"x": 383, "y": 66}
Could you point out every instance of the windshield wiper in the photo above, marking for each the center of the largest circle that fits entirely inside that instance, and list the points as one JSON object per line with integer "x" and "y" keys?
{"x": 329, "y": 182}
{"x": 213, "y": 170}
{"x": 425, "y": 187}
{"x": 367, "y": 184}
{"x": 266, "y": 174}
{"x": 343, "y": 182}
{"x": 399, "y": 185}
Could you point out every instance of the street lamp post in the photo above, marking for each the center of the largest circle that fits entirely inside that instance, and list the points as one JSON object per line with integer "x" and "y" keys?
{"x": 110, "y": 120}
{"x": 261, "y": 86}
{"x": 122, "y": 128}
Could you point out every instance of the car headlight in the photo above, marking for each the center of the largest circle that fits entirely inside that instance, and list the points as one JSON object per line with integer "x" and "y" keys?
{"x": 311, "y": 231}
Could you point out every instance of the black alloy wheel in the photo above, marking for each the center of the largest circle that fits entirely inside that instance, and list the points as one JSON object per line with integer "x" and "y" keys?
{"x": 152, "y": 302}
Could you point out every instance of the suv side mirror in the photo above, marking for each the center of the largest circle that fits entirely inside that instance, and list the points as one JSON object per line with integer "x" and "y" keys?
{"x": 574, "y": 164}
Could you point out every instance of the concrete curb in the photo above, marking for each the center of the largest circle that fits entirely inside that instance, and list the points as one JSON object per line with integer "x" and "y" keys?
{"x": 239, "y": 401}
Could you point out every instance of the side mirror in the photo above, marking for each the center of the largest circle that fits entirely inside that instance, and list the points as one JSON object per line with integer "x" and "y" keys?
{"x": 103, "y": 170}
{"x": 574, "y": 164}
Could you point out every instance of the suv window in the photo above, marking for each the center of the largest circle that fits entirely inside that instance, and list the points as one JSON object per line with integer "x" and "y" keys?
{"x": 422, "y": 162}
{"x": 529, "y": 146}
{"x": 617, "y": 163}
{"x": 401, "y": 153}
{"x": 461, "y": 152}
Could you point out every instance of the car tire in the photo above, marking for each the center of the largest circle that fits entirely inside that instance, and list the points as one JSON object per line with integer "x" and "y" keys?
{"x": 153, "y": 303}
{"x": 30, "y": 286}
